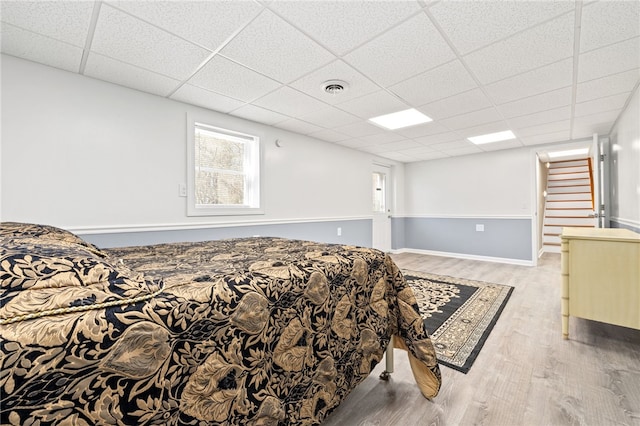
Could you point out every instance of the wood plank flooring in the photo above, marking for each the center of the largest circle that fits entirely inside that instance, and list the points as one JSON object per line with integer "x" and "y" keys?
{"x": 526, "y": 374}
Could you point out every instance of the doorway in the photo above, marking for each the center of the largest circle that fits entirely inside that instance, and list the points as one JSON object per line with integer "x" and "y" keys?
{"x": 381, "y": 233}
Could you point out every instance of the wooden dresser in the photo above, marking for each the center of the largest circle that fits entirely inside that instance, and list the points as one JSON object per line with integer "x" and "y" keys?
{"x": 600, "y": 276}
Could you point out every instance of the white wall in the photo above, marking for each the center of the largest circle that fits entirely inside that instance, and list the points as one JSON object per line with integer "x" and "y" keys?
{"x": 625, "y": 165}
{"x": 489, "y": 184}
{"x": 82, "y": 153}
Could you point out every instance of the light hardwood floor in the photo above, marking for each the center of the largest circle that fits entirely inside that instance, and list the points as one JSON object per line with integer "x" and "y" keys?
{"x": 526, "y": 374}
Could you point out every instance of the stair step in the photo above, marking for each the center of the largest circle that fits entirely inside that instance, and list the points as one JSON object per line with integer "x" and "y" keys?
{"x": 573, "y": 169}
{"x": 569, "y": 221}
{"x": 567, "y": 176}
{"x": 569, "y": 163}
{"x": 548, "y": 248}
{"x": 569, "y": 196}
{"x": 551, "y": 239}
{"x": 585, "y": 189}
{"x": 569, "y": 182}
{"x": 569, "y": 204}
{"x": 568, "y": 213}
{"x": 552, "y": 230}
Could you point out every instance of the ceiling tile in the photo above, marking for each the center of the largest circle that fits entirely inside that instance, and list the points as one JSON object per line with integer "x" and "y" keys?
{"x": 107, "y": 69}
{"x": 419, "y": 151}
{"x": 374, "y": 149}
{"x": 288, "y": 101}
{"x": 274, "y": 48}
{"x": 542, "y": 117}
{"x": 34, "y": 47}
{"x": 607, "y": 22}
{"x": 261, "y": 115}
{"x": 384, "y": 137}
{"x": 66, "y": 21}
{"x": 298, "y": 126}
{"x": 543, "y": 129}
{"x": 461, "y": 103}
{"x": 424, "y": 156}
{"x": 128, "y": 39}
{"x": 600, "y": 123}
{"x": 474, "y": 24}
{"x": 444, "y": 81}
{"x": 359, "y": 129}
{"x": 230, "y": 79}
{"x": 537, "y": 103}
{"x": 358, "y": 84}
{"x": 329, "y": 135}
{"x": 612, "y": 84}
{"x": 192, "y": 20}
{"x": 458, "y": 143}
{"x": 353, "y": 143}
{"x": 330, "y": 117}
{"x": 401, "y": 145}
{"x": 608, "y": 103}
{"x": 404, "y": 50}
{"x": 343, "y": 25}
{"x": 206, "y": 99}
{"x": 397, "y": 157}
{"x": 373, "y": 105}
{"x": 540, "y": 80}
{"x": 546, "y": 138}
{"x": 470, "y": 119}
{"x": 438, "y": 138}
{"x": 530, "y": 49}
{"x": 609, "y": 60}
{"x": 462, "y": 151}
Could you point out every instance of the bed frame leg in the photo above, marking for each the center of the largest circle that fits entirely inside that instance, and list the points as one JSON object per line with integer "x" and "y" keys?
{"x": 388, "y": 358}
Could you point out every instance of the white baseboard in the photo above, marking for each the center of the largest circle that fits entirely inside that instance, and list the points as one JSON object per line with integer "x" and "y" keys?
{"x": 467, "y": 256}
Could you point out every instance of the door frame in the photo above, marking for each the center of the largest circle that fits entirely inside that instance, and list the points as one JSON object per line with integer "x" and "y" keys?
{"x": 540, "y": 153}
{"x": 387, "y": 169}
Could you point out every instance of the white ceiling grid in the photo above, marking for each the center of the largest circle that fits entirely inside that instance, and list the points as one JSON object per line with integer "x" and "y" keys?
{"x": 550, "y": 71}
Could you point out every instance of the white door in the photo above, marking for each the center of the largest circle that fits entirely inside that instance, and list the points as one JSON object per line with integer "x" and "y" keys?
{"x": 381, "y": 235}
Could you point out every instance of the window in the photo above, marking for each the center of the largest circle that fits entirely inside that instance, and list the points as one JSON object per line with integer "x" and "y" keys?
{"x": 379, "y": 195}
{"x": 223, "y": 172}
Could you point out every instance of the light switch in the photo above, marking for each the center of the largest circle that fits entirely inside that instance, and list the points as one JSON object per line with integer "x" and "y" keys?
{"x": 182, "y": 190}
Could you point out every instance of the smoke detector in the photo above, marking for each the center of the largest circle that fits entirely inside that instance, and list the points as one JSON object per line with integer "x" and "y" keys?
{"x": 335, "y": 87}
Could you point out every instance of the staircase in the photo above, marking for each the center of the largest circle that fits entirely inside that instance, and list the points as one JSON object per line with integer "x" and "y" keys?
{"x": 569, "y": 200}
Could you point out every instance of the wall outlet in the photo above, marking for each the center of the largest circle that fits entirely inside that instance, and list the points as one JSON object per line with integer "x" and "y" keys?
{"x": 479, "y": 227}
{"x": 339, "y": 231}
{"x": 182, "y": 190}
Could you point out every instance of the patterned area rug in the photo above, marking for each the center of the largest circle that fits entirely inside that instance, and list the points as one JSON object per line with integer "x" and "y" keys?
{"x": 459, "y": 314}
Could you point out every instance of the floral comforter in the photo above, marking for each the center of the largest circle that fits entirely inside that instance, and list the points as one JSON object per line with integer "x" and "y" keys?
{"x": 258, "y": 331}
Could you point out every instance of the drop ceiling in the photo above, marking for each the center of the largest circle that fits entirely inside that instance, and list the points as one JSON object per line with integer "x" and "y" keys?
{"x": 550, "y": 71}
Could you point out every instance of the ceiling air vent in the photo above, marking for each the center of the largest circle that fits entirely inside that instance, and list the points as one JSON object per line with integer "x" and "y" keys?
{"x": 335, "y": 87}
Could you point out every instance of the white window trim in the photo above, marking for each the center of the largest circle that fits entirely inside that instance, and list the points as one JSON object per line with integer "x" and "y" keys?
{"x": 221, "y": 210}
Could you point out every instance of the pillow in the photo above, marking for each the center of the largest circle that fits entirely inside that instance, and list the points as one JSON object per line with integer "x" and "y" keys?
{"x": 17, "y": 230}
{"x": 45, "y": 272}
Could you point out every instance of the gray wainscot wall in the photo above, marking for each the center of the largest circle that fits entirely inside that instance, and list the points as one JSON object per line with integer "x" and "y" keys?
{"x": 502, "y": 238}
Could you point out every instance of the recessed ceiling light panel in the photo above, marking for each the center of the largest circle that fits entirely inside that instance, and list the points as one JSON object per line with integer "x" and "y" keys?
{"x": 400, "y": 119}
{"x": 492, "y": 137}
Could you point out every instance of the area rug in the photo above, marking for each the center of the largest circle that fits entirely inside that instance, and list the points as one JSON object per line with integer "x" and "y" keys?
{"x": 459, "y": 314}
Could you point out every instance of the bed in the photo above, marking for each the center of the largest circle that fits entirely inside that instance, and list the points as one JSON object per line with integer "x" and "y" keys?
{"x": 253, "y": 331}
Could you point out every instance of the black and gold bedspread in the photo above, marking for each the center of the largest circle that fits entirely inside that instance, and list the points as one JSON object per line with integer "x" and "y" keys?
{"x": 258, "y": 331}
